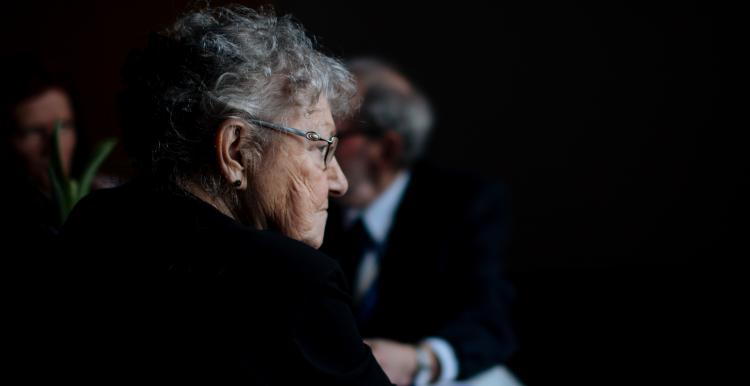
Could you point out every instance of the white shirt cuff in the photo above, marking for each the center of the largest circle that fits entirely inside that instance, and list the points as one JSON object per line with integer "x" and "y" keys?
{"x": 446, "y": 357}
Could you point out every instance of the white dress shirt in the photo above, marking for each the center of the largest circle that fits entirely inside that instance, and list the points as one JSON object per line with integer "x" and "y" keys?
{"x": 378, "y": 219}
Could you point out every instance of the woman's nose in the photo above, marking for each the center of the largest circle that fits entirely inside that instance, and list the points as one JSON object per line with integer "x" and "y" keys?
{"x": 337, "y": 184}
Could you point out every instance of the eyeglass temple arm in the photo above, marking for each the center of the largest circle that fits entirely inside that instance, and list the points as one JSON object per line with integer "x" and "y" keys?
{"x": 291, "y": 130}
{"x": 278, "y": 127}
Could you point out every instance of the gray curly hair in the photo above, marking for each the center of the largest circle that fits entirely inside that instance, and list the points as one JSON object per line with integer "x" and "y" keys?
{"x": 217, "y": 63}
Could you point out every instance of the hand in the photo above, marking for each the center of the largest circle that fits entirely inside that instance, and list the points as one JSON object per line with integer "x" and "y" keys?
{"x": 398, "y": 360}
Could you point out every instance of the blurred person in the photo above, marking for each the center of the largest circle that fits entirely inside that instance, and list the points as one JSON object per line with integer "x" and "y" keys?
{"x": 422, "y": 247}
{"x": 33, "y": 101}
{"x": 211, "y": 272}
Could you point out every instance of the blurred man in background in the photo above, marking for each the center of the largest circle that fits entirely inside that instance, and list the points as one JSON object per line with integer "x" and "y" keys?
{"x": 33, "y": 101}
{"x": 423, "y": 247}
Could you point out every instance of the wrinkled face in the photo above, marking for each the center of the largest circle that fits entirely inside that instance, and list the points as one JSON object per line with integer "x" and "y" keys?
{"x": 294, "y": 182}
{"x": 35, "y": 123}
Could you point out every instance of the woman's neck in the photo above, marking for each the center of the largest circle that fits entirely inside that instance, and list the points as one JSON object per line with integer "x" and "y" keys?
{"x": 197, "y": 191}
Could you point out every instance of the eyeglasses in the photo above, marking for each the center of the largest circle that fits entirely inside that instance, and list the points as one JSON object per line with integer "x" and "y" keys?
{"x": 331, "y": 143}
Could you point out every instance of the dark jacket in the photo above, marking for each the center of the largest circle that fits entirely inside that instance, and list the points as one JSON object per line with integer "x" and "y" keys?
{"x": 169, "y": 289}
{"x": 442, "y": 270}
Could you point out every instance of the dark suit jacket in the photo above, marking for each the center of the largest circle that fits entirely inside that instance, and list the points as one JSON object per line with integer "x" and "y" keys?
{"x": 442, "y": 270}
{"x": 168, "y": 289}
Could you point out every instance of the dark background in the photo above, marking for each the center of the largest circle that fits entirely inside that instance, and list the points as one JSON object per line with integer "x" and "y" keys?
{"x": 610, "y": 121}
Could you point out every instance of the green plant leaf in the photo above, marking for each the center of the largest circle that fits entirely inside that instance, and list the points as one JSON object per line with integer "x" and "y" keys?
{"x": 101, "y": 153}
{"x": 73, "y": 198}
{"x": 58, "y": 179}
{"x": 59, "y": 196}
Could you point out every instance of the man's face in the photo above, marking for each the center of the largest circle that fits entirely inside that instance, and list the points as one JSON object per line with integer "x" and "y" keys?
{"x": 35, "y": 124}
{"x": 357, "y": 154}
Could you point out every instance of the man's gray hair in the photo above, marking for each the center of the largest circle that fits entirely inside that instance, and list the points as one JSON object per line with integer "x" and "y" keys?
{"x": 390, "y": 102}
{"x": 216, "y": 63}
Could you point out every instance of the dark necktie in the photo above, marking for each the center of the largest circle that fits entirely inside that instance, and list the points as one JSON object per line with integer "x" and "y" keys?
{"x": 363, "y": 249}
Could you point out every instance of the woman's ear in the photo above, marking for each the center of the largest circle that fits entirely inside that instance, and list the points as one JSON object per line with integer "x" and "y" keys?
{"x": 230, "y": 139}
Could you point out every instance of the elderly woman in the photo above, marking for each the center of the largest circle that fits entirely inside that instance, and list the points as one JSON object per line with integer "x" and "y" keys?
{"x": 206, "y": 266}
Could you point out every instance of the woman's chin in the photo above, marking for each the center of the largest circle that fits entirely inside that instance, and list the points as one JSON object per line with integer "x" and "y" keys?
{"x": 313, "y": 233}
{"x": 313, "y": 241}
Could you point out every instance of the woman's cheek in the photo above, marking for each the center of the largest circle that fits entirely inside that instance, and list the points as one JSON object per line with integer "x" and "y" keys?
{"x": 316, "y": 185}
